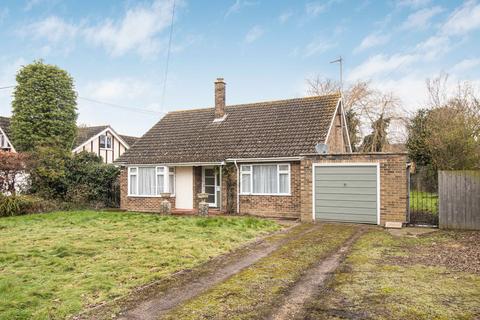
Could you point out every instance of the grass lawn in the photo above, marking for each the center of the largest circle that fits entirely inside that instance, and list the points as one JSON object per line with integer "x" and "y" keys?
{"x": 424, "y": 201}
{"x": 434, "y": 276}
{"x": 54, "y": 265}
{"x": 254, "y": 292}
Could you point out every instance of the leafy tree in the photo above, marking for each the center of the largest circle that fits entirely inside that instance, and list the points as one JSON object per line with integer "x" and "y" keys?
{"x": 44, "y": 108}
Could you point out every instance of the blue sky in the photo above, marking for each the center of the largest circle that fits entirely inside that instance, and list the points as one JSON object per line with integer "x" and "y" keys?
{"x": 265, "y": 49}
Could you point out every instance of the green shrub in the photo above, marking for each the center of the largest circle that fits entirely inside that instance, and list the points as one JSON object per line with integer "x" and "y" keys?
{"x": 26, "y": 204}
{"x": 9, "y": 206}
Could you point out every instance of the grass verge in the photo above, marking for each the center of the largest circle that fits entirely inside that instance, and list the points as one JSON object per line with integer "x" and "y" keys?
{"x": 253, "y": 292}
{"x": 54, "y": 265}
{"x": 385, "y": 277}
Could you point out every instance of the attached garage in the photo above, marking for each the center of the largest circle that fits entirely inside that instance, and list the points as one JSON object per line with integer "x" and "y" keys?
{"x": 346, "y": 192}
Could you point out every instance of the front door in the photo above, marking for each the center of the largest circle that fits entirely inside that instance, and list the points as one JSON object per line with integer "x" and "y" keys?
{"x": 210, "y": 185}
{"x": 184, "y": 187}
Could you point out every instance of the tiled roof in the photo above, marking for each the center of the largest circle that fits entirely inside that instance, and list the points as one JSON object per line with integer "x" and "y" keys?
{"x": 129, "y": 139}
{"x": 5, "y": 125}
{"x": 259, "y": 130}
{"x": 85, "y": 133}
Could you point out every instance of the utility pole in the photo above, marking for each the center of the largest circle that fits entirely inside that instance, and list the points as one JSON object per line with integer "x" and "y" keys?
{"x": 340, "y": 62}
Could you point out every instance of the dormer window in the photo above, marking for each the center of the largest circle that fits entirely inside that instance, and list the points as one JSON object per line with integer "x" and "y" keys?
{"x": 105, "y": 142}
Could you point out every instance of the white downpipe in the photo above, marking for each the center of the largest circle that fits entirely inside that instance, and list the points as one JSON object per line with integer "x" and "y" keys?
{"x": 238, "y": 187}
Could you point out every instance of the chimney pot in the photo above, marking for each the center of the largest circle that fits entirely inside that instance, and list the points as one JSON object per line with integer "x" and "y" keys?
{"x": 219, "y": 98}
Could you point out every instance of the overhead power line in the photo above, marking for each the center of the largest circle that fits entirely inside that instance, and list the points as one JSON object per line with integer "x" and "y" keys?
{"x": 168, "y": 58}
{"x": 114, "y": 105}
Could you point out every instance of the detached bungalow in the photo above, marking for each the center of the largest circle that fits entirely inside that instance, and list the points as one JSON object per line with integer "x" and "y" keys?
{"x": 286, "y": 158}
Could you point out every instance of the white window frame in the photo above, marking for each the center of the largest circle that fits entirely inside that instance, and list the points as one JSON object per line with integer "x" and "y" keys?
{"x": 107, "y": 138}
{"x": 242, "y": 173}
{"x": 167, "y": 172}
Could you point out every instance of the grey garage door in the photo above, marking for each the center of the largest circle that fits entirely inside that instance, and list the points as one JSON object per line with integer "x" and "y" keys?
{"x": 346, "y": 193}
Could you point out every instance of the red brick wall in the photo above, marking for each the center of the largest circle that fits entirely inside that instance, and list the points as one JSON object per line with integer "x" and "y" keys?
{"x": 141, "y": 204}
{"x": 393, "y": 190}
{"x": 393, "y": 183}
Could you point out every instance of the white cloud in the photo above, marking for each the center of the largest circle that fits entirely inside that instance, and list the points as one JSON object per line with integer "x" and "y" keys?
{"x": 421, "y": 18}
{"x": 254, "y": 34}
{"x": 52, "y": 28}
{"x": 372, "y": 40}
{"x": 381, "y": 64}
{"x": 315, "y": 8}
{"x": 237, "y": 6}
{"x": 466, "y": 65}
{"x": 137, "y": 31}
{"x": 131, "y": 92}
{"x": 317, "y": 46}
{"x": 284, "y": 17}
{"x": 118, "y": 89}
{"x": 434, "y": 47}
{"x": 413, "y": 3}
{"x": 464, "y": 19}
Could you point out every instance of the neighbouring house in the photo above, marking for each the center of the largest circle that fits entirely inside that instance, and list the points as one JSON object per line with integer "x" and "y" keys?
{"x": 5, "y": 143}
{"x": 101, "y": 140}
{"x": 286, "y": 158}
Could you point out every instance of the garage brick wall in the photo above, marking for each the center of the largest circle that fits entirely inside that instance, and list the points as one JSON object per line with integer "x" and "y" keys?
{"x": 393, "y": 182}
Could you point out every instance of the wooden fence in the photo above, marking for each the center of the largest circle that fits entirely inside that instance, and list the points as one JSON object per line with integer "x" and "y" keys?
{"x": 459, "y": 199}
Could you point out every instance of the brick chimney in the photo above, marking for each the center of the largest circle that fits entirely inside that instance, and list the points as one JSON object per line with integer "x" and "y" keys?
{"x": 219, "y": 99}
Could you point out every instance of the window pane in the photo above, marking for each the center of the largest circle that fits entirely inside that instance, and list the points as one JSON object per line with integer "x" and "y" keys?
{"x": 160, "y": 183}
{"x": 133, "y": 170}
{"x": 102, "y": 141}
{"x": 211, "y": 198}
{"x": 133, "y": 184}
{"x": 210, "y": 190}
{"x": 246, "y": 168}
{"x": 284, "y": 183}
{"x": 160, "y": 169}
{"x": 146, "y": 181}
{"x": 171, "y": 169}
{"x": 265, "y": 179}
{"x": 209, "y": 181}
{"x": 283, "y": 167}
{"x": 109, "y": 142}
{"x": 171, "y": 185}
{"x": 245, "y": 183}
